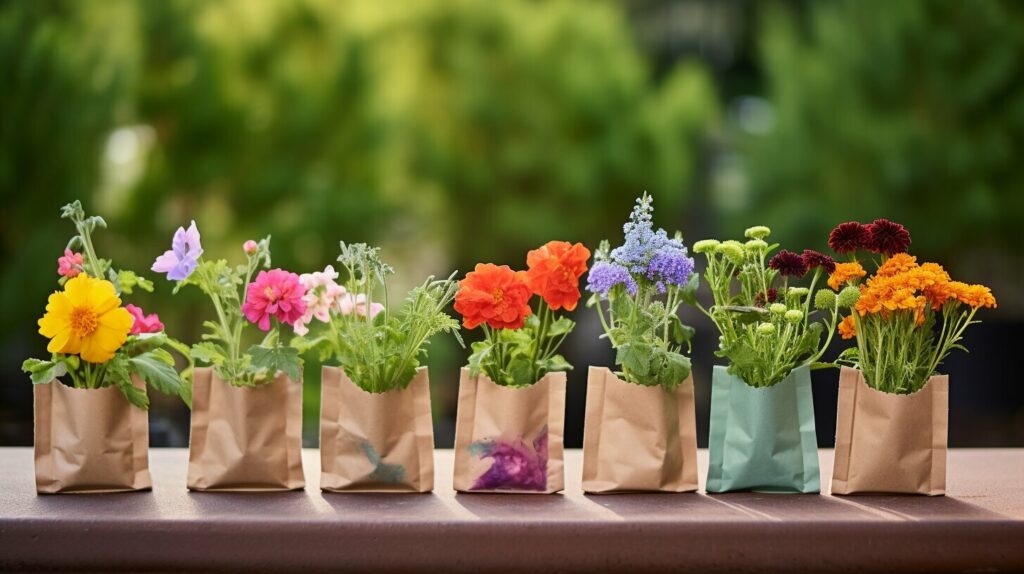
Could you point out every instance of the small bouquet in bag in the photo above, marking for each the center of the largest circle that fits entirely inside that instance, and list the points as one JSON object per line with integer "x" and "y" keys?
{"x": 906, "y": 318}
{"x": 508, "y": 433}
{"x": 640, "y": 432}
{"x": 376, "y": 432}
{"x": 246, "y": 431}
{"x": 762, "y": 434}
{"x": 91, "y": 427}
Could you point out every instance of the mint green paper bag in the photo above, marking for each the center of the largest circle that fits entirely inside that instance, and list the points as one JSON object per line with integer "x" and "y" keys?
{"x": 762, "y": 439}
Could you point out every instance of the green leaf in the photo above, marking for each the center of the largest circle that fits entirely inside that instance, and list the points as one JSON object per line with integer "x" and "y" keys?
{"x": 634, "y": 358}
{"x": 681, "y": 334}
{"x": 562, "y": 326}
{"x": 135, "y": 395}
{"x": 481, "y": 350}
{"x": 688, "y": 294}
{"x": 520, "y": 371}
{"x": 128, "y": 281}
{"x": 270, "y": 360}
{"x": 42, "y": 372}
{"x": 157, "y": 368}
{"x": 208, "y": 352}
{"x": 143, "y": 343}
{"x": 556, "y": 364}
{"x": 673, "y": 370}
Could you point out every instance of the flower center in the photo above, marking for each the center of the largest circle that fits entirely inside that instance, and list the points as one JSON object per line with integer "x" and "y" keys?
{"x": 498, "y": 295}
{"x": 269, "y": 293}
{"x": 83, "y": 321}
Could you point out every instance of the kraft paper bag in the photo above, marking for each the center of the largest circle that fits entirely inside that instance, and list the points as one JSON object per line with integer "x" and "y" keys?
{"x": 89, "y": 440}
{"x": 638, "y": 438}
{"x": 889, "y": 443}
{"x": 246, "y": 439}
{"x": 510, "y": 439}
{"x": 375, "y": 442}
{"x": 762, "y": 439}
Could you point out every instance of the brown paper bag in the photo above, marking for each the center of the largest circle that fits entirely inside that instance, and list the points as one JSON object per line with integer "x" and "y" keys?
{"x": 510, "y": 439}
{"x": 638, "y": 438}
{"x": 89, "y": 440}
{"x": 375, "y": 442}
{"x": 245, "y": 438}
{"x": 888, "y": 442}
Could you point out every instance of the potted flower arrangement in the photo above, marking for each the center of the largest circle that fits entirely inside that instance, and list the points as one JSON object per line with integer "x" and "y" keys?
{"x": 640, "y": 432}
{"x": 508, "y": 433}
{"x": 762, "y": 433}
{"x": 893, "y": 405}
{"x": 246, "y": 430}
{"x": 376, "y": 432}
{"x": 91, "y": 429}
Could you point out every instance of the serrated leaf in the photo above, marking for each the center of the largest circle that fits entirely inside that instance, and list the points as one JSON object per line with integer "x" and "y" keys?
{"x": 135, "y": 395}
{"x": 157, "y": 369}
{"x": 560, "y": 327}
{"x": 207, "y": 352}
{"x": 42, "y": 372}
{"x": 634, "y": 358}
{"x": 129, "y": 281}
{"x": 271, "y": 360}
{"x": 688, "y": 294}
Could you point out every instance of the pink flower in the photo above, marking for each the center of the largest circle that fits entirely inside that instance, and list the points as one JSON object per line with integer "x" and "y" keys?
{"x": 70, "y": 264}
{"x": 349, "y": 304}
{"x": 143, "y": 323}
{"x": 322, "y": 293}
{"x": 250, "y": 247}
{"x": 275, "y": 293}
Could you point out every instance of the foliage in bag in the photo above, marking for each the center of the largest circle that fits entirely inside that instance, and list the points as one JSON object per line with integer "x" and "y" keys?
{"x": 380, "y": 350}
{"x": 642, "y": 283}
{"x": 93, "y": 339}
{"x": 897, "y": 311}
{"x": 520, "y": 346}
{"x": 766, "y": 324}
{"x": 273, "y": 298}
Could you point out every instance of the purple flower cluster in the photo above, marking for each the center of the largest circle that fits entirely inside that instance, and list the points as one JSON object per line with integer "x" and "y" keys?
{"x": 515, "y": 466}
{"x": 604, "y": 276}
{"x": 670, "y": 266}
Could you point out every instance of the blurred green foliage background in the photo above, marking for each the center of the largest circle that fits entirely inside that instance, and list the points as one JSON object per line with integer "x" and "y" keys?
{"x": 464, "y": 131}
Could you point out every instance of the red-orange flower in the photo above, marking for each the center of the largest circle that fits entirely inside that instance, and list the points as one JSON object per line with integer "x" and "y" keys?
{"x": 495, "y": 295}
{"x": 554, "y": 273}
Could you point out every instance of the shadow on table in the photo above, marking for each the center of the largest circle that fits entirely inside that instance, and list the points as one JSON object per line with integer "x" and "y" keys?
{"x": 399, "y": 506}
{"x": 531, "y": 507}
{"x": 137, "y": 504}
{"x": 911, "y": 507}
{"x": 292, "y": 503}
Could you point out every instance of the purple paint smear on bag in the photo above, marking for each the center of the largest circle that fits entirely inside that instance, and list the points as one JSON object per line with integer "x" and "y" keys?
{"x": 515, "y": 466}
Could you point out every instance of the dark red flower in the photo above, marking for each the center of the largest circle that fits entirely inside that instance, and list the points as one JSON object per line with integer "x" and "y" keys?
{"x": 888, "y": 237}
{"x": 759, "y": 300}
{"x": 849, "y": 237}
{"x": 817, "y": 259}
{"x": 788, "y": 264}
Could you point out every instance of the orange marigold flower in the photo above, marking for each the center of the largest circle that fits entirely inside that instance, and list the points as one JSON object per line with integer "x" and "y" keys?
{"x": 847, "y": 327}
{"x": 976, "y": 296}
{"x": 896, "y": 264}
{"x": 495, "y": 295}
{"x": 845, "y": 272}
{"x": 554, "y": 273}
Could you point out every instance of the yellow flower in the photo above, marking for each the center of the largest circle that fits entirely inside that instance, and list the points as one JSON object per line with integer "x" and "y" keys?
{"x": 86, "y": 319}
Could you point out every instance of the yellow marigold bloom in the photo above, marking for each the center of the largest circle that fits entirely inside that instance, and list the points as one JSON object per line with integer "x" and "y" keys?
{"x": 86, "y": 319}
{"x": 897, "y": 264}
{"x": 845, "y": 272}
{"x": 847, "y": 328}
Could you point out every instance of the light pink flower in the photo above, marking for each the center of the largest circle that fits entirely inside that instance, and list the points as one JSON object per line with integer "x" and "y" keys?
{"x": 250, "y": 247}
{"x": 70, "y": 264}
{"x": 143, "y": 323}
{"x": 276, "y": 293}
{"x": 349, "y": 304}
{"x": 322, "y": 294}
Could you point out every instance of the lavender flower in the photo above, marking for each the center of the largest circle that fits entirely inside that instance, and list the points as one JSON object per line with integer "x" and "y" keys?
{"x": 181, "y": 260}
{"x": 670, "y": 266}
{"x": 604, "y": 276}
{"x": 641, "y": 240}
{"x": 516, "y": 466}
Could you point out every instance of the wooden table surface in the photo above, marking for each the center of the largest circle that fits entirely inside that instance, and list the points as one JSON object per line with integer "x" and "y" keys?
{"x": 978, "y": 527}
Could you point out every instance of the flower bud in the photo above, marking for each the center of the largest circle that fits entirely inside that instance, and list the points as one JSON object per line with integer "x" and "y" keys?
{"x": 250, "y": 247}
{"x": 732, "y": 250}
{"x": 849, "y": 295}
{"x": 757, "y": 232}
{"x": 766, "y": 329}
{"x": 794, "y": 315}
{"x": 706, "y": 246}
{"x": 756, "y": 245}
{"x": 824, "y": 300}
{"x": 797, "y": 293}
{"x": 777, "y": 308}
